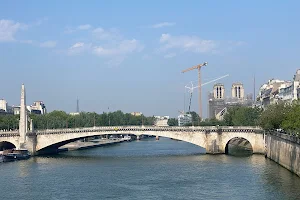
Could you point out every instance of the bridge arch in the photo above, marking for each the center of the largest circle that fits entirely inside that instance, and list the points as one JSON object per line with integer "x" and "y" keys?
{"x": 7, "y": 145}
{"x": 54, "y": 141}
{"x": 247, "y": 136}
{"x": 236, "y": 142}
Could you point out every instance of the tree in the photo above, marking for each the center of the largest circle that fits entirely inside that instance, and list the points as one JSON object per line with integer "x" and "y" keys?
{"x": 8, "y": 122}
{"x": 195, "y": 118}
{"x": 291, "y": 121}
{"x": 212, "y": 122}
{"x": 242, "y": 116}
{"x": 173, "y": 122}
{"x": 274, "y": 115}
{"x": 228, "y": 117}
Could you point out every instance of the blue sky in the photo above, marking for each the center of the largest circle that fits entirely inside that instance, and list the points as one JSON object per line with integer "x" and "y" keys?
{"x": 128, "y": 55}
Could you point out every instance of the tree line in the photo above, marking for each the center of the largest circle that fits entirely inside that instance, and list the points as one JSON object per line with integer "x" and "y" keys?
{"x": 60, "y": 119}
{"x": 273, "y": 117}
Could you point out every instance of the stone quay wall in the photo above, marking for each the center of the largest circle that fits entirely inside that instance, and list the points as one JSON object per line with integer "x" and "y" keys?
{"x": 284, "y": 150}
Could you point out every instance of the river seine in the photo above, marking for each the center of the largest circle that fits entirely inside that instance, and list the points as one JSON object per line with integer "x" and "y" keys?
{"x": 147, "y": 169}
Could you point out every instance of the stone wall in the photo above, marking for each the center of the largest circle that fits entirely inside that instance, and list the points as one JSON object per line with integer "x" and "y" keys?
{"x": 285, "y": 150}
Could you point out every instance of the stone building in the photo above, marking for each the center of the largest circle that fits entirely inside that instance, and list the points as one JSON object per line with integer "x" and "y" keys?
{"x": 136, "y": 113}
{"x": 5, "y": 108}
{"x": 38, "y": 107}
{"x": 237, "y": 91}
{"x": 275, "y": 91}
{"x": 184, "y": 119}
{"x": 161, "y": 120}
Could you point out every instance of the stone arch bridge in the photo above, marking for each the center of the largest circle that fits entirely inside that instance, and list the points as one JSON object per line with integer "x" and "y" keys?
{"x": 214, "y": 139}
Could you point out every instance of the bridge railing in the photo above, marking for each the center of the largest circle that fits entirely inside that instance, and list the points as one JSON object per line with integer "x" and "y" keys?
{"x": 151, "y": 128}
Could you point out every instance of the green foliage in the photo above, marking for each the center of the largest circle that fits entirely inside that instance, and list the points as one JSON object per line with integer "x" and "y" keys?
{"x": 212, "y": 122}
{"x": 195, "y": 119}
{"x": 291, "y": 120}
{"x": 173, "y": 122}
{"x": 9, "y": 122}
{"x": 60, "y": 119}
{"x": 242, "y": 116}
{"x": 274, "y": 115}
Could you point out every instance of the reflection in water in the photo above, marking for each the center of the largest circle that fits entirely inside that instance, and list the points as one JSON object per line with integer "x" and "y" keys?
{"x": 149, "y": 169}
{"x": 23, "y": 169}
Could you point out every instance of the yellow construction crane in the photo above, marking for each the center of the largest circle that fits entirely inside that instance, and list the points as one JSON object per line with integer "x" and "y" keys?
{"x": 199, "y": 84}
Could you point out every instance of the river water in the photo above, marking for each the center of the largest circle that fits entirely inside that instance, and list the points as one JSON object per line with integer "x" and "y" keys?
{"x": 147, "y": 169}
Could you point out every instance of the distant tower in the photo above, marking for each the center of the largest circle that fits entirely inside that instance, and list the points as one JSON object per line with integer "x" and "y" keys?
{"x": 216, "y": 102}
{"x": 219, "y": 91}
{"x": 237, "y": 91}
{"x": 77, "y": 107}
{"x": 23, "y": 118}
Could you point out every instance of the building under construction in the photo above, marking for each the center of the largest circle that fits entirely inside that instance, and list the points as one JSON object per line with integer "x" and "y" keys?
{"x": 218, "y": 103}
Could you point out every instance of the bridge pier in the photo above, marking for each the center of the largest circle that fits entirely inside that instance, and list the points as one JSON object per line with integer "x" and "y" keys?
{"x": 30, "y": 145}
{"x": 157, "y": 137}
{"x": 214, "y": 142}
{"x": 138, "y": 137}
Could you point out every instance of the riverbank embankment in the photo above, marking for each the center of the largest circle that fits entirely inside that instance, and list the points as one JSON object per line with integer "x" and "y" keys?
{"x": 285, "y": 150}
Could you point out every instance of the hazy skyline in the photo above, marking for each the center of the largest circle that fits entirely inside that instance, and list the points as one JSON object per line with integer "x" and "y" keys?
{"x": 128, "y": 55}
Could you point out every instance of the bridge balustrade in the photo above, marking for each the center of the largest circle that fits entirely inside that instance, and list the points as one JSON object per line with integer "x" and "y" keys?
{"x": 144, "y": 128}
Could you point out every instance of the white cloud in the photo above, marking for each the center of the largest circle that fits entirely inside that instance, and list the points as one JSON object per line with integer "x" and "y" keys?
{"x": 118, "y": 53}
{"x": 111, "y": 34}
{"x": 107, "y": 43}
{"x": 195, "y": 44}
{"x": 69, "y": 30}
{"x": 78, "y": 47}
{"x": 170, "y": 55}
{"x": 124, "y": 48}
{"x": 48, "y": 44}
{"x": 187, "y": 43}
{"x": 163, "y": 24}
{"x": 84, "y": 27}
{"x": 8, "y": 29}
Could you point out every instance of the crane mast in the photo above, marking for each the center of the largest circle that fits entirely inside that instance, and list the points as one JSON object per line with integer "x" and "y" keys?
{"x": 199, "y": 83}
{"x": 191, "y": 89}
